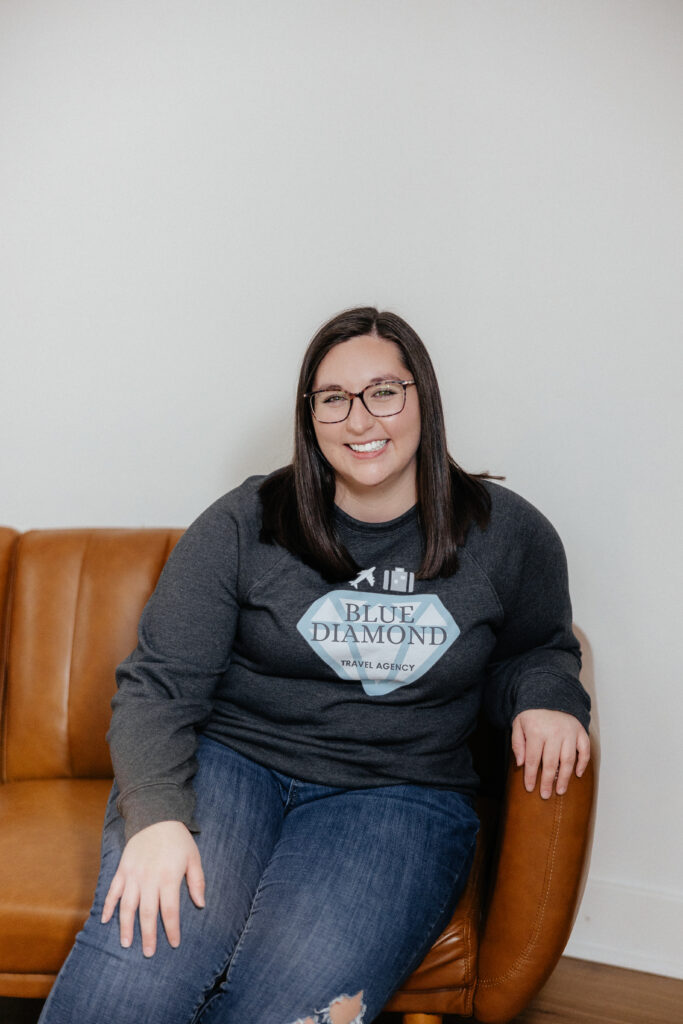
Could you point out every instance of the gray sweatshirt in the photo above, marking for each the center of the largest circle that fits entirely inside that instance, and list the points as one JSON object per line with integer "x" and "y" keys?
{"x": 372, "y": 682}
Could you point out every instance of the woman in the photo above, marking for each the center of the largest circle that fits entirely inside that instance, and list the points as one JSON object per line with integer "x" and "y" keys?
{"x": 289, "y": 736}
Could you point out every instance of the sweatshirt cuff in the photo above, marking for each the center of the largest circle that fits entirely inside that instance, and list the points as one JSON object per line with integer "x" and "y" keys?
{"x": 154, "y": 802}
{"x": 553, "y": 693}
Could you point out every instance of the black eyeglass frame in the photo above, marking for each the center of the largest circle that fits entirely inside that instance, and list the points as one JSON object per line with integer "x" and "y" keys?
{"x": 310, "y": 395}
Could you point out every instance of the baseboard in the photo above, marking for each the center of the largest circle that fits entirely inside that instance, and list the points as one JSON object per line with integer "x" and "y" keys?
{"x": 629, "y": 926}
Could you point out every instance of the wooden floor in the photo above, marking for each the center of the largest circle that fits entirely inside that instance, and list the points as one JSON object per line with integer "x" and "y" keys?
{"x": 579, "y": 992}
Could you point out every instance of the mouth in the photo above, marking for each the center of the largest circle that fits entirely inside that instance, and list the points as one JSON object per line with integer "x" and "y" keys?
{"x": 370, "y": 446}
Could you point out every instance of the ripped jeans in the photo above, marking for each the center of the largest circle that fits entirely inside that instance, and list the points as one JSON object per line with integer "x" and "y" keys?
{"x": 319, "y": 902}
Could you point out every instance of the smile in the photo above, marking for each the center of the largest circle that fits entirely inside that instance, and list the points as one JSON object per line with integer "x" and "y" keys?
{"x": 371, "y": 446}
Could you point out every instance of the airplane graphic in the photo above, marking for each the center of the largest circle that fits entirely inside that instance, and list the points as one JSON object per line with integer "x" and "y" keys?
{"x": 364, "y": 574}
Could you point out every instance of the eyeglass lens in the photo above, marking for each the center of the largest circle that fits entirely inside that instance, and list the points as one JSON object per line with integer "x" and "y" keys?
{"x": 384, "y": 399}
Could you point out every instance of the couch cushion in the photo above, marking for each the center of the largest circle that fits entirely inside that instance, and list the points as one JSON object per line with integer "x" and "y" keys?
{"x": 49, "y": 861}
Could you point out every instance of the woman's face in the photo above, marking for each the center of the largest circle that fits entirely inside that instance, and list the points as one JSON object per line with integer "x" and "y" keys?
{"x": 374, "y": 483}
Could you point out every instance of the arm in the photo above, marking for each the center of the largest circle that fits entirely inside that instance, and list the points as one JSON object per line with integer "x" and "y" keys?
{"x": 166, "y": 686}
{"x": 165, "y": 691}
{"x": 533, "y": 678}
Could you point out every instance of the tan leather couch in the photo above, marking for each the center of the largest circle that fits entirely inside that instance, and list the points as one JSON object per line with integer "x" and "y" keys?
{"x": 69, "y": 606}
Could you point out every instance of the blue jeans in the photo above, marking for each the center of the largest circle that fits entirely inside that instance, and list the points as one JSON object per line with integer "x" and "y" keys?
{"x": 318, "y": 900}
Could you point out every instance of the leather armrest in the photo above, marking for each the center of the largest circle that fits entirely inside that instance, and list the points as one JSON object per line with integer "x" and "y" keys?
{"x": 536, "y": 889}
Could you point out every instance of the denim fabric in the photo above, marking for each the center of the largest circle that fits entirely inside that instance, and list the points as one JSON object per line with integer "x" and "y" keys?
{"x": 313, "y": 894}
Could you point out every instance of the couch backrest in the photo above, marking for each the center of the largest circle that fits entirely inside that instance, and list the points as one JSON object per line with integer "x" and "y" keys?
{"x": 75, "y": 598}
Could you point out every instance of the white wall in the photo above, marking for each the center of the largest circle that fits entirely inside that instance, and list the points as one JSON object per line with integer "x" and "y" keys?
{"x": 187, "y": 189}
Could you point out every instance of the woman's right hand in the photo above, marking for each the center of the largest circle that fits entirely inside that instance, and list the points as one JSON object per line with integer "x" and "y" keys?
{"x": 150, "y": 873}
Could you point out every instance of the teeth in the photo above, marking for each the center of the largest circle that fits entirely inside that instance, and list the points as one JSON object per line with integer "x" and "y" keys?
{"x": 371, "y": 446}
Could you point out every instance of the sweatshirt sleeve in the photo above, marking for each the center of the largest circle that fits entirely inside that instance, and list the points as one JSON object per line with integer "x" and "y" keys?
{"x": 165, "y": 686}
{"x": 537, "y": 658}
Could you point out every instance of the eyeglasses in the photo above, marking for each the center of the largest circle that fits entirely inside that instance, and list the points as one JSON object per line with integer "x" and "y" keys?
{"x": 386, "y": 398}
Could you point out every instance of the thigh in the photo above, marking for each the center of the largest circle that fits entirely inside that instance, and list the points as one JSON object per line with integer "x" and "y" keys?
{"x": 359, "y": 885}
{"x": 240, "y": 811}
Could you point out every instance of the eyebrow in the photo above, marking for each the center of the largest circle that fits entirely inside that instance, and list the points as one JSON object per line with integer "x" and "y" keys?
{"x": 374, "y": 380}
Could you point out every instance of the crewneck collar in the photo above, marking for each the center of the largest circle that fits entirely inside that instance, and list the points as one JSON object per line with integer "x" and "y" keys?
{"x": 405, "y": 519}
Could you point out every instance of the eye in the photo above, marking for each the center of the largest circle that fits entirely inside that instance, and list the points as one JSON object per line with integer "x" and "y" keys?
{"x": 387, "y": 389}
{"x": 332, "y": 397}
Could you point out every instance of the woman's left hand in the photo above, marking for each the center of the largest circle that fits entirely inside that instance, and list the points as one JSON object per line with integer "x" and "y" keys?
{"x": 554, "y": 739}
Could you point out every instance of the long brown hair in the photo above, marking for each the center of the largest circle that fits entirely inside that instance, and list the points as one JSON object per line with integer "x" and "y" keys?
{"x": 298, "y": 500}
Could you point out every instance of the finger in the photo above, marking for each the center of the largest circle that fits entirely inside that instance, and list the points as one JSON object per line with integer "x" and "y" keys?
{"x": 127, "y": 908}
{"x": 532, "y": 759}
{"x": 112, "y": 898}
{"x": 149, "y": 910}
{"x": 567, "y": 759}
{"x": 583, "y": 745}
{"x": 196, "y": 885}
{"x": 551, "y": 760}
{"x": 170, "y": 913}
{"x": 518, "y": 741}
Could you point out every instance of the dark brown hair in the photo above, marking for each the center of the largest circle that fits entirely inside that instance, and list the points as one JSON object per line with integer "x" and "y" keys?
{"x": 298, "y": 500}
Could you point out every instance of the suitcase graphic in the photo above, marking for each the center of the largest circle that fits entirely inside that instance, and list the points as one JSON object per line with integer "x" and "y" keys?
{"x": 399, "y": 580}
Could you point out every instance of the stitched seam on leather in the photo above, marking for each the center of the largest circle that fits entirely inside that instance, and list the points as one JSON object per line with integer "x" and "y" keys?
{"x": 469, "y": 996}
{"x": 540, "y": 910}
{"x": 84, "y": 553}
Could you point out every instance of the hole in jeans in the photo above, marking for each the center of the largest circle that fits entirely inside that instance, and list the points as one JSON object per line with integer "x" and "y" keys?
{"x": 342, "y": 1010}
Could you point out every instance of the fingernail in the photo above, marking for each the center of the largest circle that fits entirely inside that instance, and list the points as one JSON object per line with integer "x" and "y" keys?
{"x": 125, "y": 943}
{"x": 561, "y": 790}
{"x": 147, "y": 951}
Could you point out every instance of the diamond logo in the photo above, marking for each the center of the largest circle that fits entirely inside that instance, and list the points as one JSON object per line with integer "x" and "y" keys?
{"x": 383, "y": 641}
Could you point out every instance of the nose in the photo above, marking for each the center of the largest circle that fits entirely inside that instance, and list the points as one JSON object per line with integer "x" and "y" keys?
{"x": 359, "y": 419}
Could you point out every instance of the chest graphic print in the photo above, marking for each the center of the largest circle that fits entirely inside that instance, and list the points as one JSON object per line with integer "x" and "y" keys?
{"x": 383, "y": 640}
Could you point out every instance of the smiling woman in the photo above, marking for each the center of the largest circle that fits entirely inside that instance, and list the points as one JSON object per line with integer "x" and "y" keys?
{"x": 290, "y": 734}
